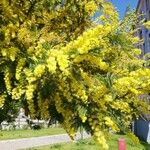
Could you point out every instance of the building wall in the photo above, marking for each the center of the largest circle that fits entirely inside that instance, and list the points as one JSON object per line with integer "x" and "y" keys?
{"x": 143, "y": 8}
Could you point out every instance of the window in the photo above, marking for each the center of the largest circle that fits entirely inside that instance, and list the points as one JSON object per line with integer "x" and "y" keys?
{"x": 140, "y": 34}
{"x": 144, "y": 48}
{"x": 148, "y": 47}
{"x": 147, "y": 4}
{"x": 146, "y": 31}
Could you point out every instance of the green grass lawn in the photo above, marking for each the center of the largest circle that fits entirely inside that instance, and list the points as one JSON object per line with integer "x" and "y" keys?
{"x": 89, "y": 144}
{"x": 15, "y": 134}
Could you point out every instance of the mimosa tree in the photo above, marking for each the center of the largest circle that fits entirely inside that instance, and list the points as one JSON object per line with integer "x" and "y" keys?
{"x": 60, "y": 63}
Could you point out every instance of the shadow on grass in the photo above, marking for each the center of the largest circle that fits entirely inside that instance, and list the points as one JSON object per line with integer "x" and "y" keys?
{"x": 146, "y": 145}
{"x": 57, "y": 146}
{"x": 85, "y": 142}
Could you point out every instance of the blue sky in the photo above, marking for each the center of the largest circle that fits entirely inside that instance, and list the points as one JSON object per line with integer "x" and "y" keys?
{"x": 122, "y": 4}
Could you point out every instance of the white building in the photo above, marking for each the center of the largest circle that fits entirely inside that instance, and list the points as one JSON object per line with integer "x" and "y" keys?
{"x": 143, "y": 8}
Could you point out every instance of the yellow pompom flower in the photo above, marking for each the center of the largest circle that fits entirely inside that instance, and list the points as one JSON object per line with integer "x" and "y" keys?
{"x": 63, "y": 62}
{"x": 39, "y": 70}
{"x": 91, "y": 7}
{"x": 51, "y": 64}
{"x": 2, "y": 100}
{"x": 147, "y": 24}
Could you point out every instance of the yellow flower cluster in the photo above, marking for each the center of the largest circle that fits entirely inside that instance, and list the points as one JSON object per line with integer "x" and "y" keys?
{"x": 136, "y": 51}
{"x": 2, "y": 100}
{"x": 134, "y": 138}
{"x": 147, "y": 24}
{"x": 78, "y": 91}
{"x": 122, "y": 106}
{"x": 87, "y": 79}
{"x": 109, "y": 14}
{"x": 83, "y": 118}
{"x": 98, "y": 95}
{"x": 142, "y": 76}
{"x": 29, "y": 96}
{"x": 93, "y": 60}
{"x": 19, "y": 68}
{"x": 97, "y": 132}
{"x": 67, "y": 115}
{"x": 92, "y": 76}
{"x": 39, "y": 70}
{"x": 38, "y": 50}
{"x": 135, "y": 40}
{"x": 8, "y": 82}
{"x": 17, "y": 92}
{"x": 91, "y": 7}
{"x": 24, "y": 35}
{"x": 64, "y": 88}
{"x": 63, "y": 62}
{"x": 10, "y": 53}
{"x": 44, "y": 106}
{"x": 13, "y": 53}
{"x": 57, "y": 57}
{"x": 108, "y": 98}
{"x": 126, "y": 84}
{"x": 29, "y": 76}
{"x": 111, "y": 124}
{"x": 51, "y": 64}
{"x": 29, "y": 92}
{"x": 89, "y": 40}
{"x": 102, "y": 141}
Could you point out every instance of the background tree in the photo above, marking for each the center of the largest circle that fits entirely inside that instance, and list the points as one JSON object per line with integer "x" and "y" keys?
{"x": 58, "y": 63}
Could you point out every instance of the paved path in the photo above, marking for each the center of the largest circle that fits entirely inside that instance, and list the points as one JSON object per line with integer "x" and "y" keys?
{"x": 23, "y": 143}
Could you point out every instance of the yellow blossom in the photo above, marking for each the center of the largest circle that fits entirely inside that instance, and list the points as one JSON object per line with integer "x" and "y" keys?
{"x": 39, "y": 70}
